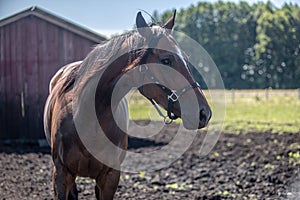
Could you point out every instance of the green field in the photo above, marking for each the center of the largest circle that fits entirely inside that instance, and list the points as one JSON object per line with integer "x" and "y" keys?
{"x": 275, "y": 111}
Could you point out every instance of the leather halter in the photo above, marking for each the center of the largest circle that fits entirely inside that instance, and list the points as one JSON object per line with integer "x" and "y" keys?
{"x": 173, "y": 95}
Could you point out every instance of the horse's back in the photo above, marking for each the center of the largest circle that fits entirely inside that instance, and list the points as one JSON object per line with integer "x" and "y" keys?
{"x": 62, "y": 73}
{"x": 56, "y": 80}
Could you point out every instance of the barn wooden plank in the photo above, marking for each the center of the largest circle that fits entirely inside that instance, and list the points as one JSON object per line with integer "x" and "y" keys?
{"x": 43, "y": 57}
{"x": 61, "y": 46}
{"x": 69, "y": 46}
{"x": 14, "y": 85}
{"x": 53, "y": 53}
{"x": 20, "y": 77}
{"x": 77, "y": 54}
{"x": 6, "y": 81}
{"x": 76, "y": 42}
{"x": 69, "y": 38}
{"x": 9, "y": 122}
{"x": 32, "y": 78}
{"x": 18, "y": 60}
{"x": 36, "y": 131}
{"x": 2, "y": 84}
{"x": 65, "y": 47}
{"x": 13, "y": 49}
{"x": 26, "y": 76}
{"x": 55, "y": 62}
{"x": 43, "y": 60}
{"x": 18, "y": 74}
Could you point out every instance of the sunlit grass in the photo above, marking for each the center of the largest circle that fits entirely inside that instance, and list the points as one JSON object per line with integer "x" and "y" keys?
{"x": 257, "y": 113}
{"x": 250, "y": 111}
{"x": 140, "y": 108}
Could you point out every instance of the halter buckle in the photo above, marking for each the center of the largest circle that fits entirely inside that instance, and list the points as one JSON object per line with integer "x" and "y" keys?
{"x": 167, "y": 120}
{"x": 143, "y": 69}
{"x": 173, "y": 96}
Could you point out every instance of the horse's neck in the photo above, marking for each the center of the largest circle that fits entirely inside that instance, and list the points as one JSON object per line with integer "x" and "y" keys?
{"x": 109, "y": 80}
{"x": 111, "y": 110}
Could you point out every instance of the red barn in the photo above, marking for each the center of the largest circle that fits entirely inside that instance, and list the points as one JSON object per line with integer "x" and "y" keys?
{"x": 34, "y": 44}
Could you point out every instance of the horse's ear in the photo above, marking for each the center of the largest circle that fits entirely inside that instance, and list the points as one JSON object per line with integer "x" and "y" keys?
{"x": 142, "y": 26}
{"x": 140, "y": 21}
{"x": 170, "y": 23}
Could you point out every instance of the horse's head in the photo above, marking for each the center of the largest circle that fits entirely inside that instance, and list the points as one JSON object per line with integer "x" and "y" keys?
{"x": 174, "y": 89}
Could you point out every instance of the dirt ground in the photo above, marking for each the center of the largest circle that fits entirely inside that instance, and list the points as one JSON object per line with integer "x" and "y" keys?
{"x": 245, "y": 166}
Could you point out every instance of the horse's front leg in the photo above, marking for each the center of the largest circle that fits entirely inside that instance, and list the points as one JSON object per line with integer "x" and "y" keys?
{"x": 107, "y": 187}
{"x": 63, "y": 182}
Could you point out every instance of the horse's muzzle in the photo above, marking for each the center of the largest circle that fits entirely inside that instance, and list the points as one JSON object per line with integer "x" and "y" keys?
{"x": 204, "y": 117}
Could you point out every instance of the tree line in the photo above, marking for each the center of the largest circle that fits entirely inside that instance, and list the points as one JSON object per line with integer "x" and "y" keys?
{"x": 253, "y": 46}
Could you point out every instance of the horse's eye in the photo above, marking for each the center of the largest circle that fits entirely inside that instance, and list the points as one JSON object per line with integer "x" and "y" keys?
{"x": 166, "y": 61}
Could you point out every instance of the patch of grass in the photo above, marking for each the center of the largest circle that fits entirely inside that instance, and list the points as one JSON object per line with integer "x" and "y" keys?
{"x": 177, "y": 186}
{"x": 140, "y": 108}
{"x": 251, "y": 111}
{"x": 278, "y": 114}
{"x": 294, "y": 157}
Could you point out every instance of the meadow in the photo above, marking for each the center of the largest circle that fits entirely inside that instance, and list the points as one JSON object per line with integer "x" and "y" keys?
{"x": 275, "y": 111}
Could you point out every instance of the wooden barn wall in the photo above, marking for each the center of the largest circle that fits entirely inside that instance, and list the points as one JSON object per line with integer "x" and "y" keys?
{"x": 31, "y": 51}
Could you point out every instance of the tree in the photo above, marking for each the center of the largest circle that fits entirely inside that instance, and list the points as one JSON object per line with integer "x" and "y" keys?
{"x": 254, "y": 46}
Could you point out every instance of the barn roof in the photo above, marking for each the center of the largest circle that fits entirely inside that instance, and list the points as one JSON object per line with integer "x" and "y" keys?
{"x": 54, "y": 19}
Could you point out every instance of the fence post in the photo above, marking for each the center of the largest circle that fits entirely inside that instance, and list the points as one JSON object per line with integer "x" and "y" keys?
{"x": 232, "y": 96}
{"x": 299, "y": 93}
{"x": 267, "y": 94}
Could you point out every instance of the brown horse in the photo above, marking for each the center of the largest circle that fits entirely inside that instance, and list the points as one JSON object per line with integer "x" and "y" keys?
{"x": 66, "y": 101}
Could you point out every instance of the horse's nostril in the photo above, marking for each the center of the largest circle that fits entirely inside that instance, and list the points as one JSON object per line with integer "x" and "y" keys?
{"x": 204, "y": 117}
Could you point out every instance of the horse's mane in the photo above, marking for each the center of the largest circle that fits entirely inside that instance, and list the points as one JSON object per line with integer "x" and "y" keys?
{"x": 104, "y": 54}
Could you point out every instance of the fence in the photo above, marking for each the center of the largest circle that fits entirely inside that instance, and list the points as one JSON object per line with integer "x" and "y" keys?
{"x": 266, "y": 95}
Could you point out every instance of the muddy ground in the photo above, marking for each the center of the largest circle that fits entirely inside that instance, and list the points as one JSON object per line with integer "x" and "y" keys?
{"x": 245, "y": 166}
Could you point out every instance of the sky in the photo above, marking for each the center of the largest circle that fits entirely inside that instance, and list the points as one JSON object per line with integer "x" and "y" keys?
{"x": 105, "y": 17}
